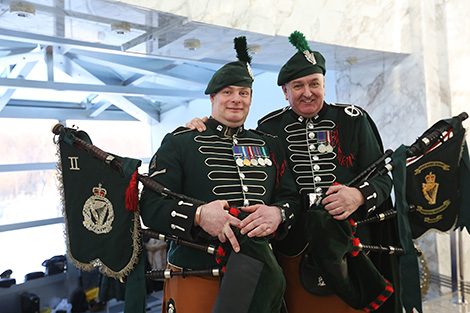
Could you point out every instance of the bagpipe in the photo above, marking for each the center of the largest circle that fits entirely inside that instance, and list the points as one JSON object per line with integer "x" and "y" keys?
{"x": 335, "y": 262}
{"x": 421, "y": 204}
{"x": 97, "y": 231}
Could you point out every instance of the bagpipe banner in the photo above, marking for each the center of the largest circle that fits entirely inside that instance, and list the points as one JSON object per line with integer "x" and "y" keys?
{"x": 100, "y": 231}
{"x": 436, "y": 181}
{"x": 432, "y": 177}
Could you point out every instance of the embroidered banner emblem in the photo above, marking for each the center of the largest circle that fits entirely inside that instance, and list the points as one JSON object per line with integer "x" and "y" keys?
{"x": 98, "y": 214}
{"x": 430, "y": 188}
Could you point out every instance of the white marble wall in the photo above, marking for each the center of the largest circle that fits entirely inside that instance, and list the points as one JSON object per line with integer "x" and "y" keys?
{"x": 391, "y": 93}
{"x": 350, "y": 23}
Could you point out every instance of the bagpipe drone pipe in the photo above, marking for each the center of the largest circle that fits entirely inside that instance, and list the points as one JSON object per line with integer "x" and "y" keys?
{"x": 100, "y": 195}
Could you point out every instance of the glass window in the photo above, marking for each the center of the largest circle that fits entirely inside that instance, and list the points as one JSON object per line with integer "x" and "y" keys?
{"x": 29, "y": 196}
{"x": 124, "y": 138}
{"x": 33, "y": 195}
{"x": 24, "y": 250}
{"x": 26, "y": 141}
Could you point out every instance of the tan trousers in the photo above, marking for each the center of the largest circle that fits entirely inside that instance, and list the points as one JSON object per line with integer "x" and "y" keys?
{"x": 193, "y": 294}
{"x": 298, "y": 300}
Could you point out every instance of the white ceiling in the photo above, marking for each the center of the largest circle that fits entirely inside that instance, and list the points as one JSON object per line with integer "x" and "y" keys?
{"x": 68, "y": 61}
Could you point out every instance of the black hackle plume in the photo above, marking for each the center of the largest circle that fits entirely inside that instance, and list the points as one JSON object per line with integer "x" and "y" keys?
{"x": 242, "y": 49}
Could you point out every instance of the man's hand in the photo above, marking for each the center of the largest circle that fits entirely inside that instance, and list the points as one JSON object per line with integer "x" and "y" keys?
{"x": 197, "y": 123}
{"x": 342, "y": 201}
{"x": 263, "y": 220}
{"x": 216, "y": 221}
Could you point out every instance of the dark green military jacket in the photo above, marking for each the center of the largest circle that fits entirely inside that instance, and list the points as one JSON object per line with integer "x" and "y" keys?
{"x": 334, "y": 146}
{"x": 214, "y": 165}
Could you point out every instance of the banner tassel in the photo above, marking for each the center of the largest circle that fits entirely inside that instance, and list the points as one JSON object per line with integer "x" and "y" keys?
{"x": 132, "y": 194}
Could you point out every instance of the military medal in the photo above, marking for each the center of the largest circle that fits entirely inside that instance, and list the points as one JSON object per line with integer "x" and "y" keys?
{"x": 246, "y": 160}
{"x": 253, "y": 159}
{"x": 321, "y": 142}
{"x": 258, "y": 155}
{"x": 238, "y": 156}
{"x": 267, "y": 161}
{"x": 329, "y": 142}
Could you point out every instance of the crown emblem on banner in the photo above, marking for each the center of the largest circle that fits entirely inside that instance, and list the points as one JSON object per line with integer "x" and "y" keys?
{"x": 99, "y": 191}
{"x": 430, "y": 188}
{"x": 430, "y": 178}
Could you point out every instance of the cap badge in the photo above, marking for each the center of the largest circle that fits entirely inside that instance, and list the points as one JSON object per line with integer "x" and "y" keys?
{"x": 310, "y": 57}
{"x": 248, "y": 67}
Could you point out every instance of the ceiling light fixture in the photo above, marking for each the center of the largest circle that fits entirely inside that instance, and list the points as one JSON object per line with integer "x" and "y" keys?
{"x": 192, "y": 44}
{"x": 351, "y": 60}
{"x": 121, "y": 28}
{"x": 22, "y": 9}
{"x": 254, "y": 48}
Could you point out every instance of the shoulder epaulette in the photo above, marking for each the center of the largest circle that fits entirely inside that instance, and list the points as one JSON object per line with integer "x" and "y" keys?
{"x": 350, "y": 109}
{"x": 181, "y": 130}
{"x": 272, "y": 115}
{"x": 262, "y": 133}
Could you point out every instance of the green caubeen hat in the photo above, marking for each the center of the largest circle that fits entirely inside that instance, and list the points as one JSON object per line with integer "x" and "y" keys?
{"x": 236, "y": 73}
{"x": 303, "y": 63}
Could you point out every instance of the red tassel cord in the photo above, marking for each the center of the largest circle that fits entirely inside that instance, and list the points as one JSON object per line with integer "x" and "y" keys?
{"x": 356, "y": 243}
{"x": 132, "y": 194}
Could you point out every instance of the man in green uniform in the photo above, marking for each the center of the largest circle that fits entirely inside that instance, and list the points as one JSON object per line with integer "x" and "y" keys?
{"x": 226, "y": 166}
{"x": 327, "y": 146}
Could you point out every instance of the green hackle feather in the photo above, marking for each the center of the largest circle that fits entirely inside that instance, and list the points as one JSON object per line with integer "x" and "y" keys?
{"x": 242, "y": 49}
{"x": 297, "y": 39}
